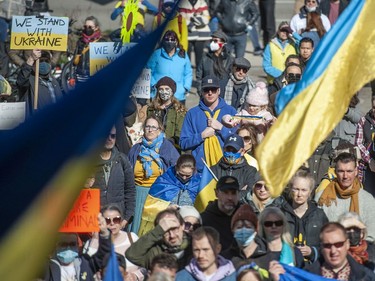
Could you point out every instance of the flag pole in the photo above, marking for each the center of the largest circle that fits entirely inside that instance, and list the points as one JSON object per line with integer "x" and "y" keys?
{"x": 212, "y": 173}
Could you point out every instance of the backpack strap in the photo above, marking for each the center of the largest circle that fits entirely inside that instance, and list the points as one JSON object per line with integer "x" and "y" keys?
{"x": 130, "y": 237}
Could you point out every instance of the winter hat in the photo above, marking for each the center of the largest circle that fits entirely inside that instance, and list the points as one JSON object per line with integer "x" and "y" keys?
{"x": 190, "y": 211}
{"x": 221, "y": 35}
{"x": 259, "y": 95}
{"x": 245, "y": 212}
{"x": 242, "y": 62}
{"x": 166, "y": 81}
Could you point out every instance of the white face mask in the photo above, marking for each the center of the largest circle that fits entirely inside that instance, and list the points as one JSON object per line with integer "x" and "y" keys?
{"x": 165, "y": 94}
{"x": 214, "y": 46}
{"x": 310, "y": 9}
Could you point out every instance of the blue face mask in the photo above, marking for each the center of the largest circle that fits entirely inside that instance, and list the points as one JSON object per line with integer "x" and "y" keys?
{"x": 232, "y": 158}
{"x": 44, "y": 68}
{"x": 66, "y": 256}
{"x": 244, "y": 236}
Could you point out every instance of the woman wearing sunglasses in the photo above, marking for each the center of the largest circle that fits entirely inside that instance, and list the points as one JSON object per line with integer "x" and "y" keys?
{"x": 150, "y": 158}
{"x": 248, "y": 133}
{"x": 304, "y": 217}
{"x": 274, "y": 228}
{"x": 121, "y": 241}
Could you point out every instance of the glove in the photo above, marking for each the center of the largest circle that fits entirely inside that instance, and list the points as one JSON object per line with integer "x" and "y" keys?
{"x": 249, "y": 28}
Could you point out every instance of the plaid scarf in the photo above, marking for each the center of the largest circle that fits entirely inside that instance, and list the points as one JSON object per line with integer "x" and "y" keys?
{"x": 150, "y": 152}
{"x": 229, "y": 88}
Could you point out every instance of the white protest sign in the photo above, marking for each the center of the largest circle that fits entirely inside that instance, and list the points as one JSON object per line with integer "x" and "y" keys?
{"x": 12, "y": 114}
{"x": 142, "y": 86}
{"x": 46, "y": 33}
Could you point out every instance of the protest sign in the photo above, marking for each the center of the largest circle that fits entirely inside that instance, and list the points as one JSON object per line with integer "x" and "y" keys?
{"x": 46, "y": 33}
{"x": 83, "y": 217}
{"x": 11, "y": 114}
{"x": 102, "y": 53}
{"x": 141, "y": 88}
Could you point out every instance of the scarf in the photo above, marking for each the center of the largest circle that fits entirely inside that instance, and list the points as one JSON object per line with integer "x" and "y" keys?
{"x": 329, "y": 195}
{"x": 359, "y": 253}
{"x": 224, "y": 269}
{"x": 229, "y": 88}
{"x": 212, "y": 147}
{"x": 286, "y": 255}
{"x": 150, "y": 152}
{"x": 94, "y": 37}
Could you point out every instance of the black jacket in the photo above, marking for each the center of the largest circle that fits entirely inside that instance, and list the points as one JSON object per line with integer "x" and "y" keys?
{"x": 120, "y": 189}
{"x": 357, "y": 271}
{"x": 235, "y": 15}
{"x": 215, "y": 218}
{"x": 308, "y": 226}
{"x": 245, "y": 174}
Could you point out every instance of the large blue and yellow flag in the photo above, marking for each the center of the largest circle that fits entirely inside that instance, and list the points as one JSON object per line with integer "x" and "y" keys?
{"x": 296, "y": 274}
{"x": 44, "y": 162}
{"x": 343, "y": 62}
{"x": 206, "y": 191}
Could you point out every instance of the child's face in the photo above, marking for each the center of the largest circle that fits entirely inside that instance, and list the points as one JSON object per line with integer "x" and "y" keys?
{"x": 254, "y": 109}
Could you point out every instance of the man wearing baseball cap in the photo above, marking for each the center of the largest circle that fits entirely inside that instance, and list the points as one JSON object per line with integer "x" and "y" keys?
{"x": 233, "y": 163}
{"x": 202, "y": 132}
{"x": 218, "y": 214}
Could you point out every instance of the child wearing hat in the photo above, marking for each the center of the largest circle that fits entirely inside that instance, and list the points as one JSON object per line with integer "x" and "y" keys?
{"x": 255, "y": 111}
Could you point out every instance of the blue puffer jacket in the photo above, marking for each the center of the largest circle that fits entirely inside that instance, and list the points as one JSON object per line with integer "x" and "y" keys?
{"x": 175, "y": 67}
{"x": 167, "y": 187}
{"x": 194, "y": 124}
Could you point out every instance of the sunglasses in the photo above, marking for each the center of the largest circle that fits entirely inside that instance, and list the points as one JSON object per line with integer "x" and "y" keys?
{"x": 189, "y": 225}
{"x": 294, "y": 76}
{"x": 170, "y": 39}
{"x": 115, "y": 220}
{"x": 112, "y": 136}
{"x": 244, "y": 70}
{"x": 89, "y": 26}
{"x": 212, "y": 90}
{"x": 329, "y": 245}
{"x": 273, "y": 223}
{"x": 246, "y": 139}
{"x": 259, "y": 186}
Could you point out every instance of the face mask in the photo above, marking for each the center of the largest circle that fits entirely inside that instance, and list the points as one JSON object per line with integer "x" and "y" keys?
{"x": 88, "y": 31}
{"x": 67, "y": 256}
{"x": 169, "y": 46}
{"x": 214, "y": 46}
{"x": 354, "y": 237}
{"x": 244, "y": 236}
{"x": 165, "y": 94}
{"x": 310, "y": 9}
{"x": 44, "y": 68}
{"x": 232, "y": 158}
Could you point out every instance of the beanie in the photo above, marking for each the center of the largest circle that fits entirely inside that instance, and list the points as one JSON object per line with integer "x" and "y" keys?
{"x": 245, "y": 212}
{"x": 190, "y": 211}
{"x": 259, "y": 95}
{"x": 166, "y": 81}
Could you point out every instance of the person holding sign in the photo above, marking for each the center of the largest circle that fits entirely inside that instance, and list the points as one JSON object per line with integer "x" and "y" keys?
{"x": 90, "y": 33}
{"x": 66, "y": 262}
{"x": 48, "y": 91}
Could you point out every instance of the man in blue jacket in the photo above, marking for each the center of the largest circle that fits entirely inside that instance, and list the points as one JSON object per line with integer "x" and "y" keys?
{"x": 203, "y": 121}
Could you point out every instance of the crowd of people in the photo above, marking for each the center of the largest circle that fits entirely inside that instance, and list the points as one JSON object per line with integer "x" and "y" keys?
{"x": 150, "y": 180}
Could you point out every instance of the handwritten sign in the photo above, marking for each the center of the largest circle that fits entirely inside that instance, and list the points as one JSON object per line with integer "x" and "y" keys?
{"x": 142, "y": 88}
{"x": 11, "y": 114}
{"x": 102, "y": 53}
{"x": 46, "y": 33}
{"x": 83, "y": 217}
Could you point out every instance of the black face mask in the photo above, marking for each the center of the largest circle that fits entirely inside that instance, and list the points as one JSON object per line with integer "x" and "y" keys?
{"x": 168, "y": 46}
{"x": 88, "y": 31}
{"x": 292, "y": 78}
{"x": 354, "y": 237}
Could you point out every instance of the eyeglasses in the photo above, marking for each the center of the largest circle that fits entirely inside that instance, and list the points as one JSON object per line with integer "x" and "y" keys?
{"x": 89, "y": 26}
{"x": 112, "y": 136}
{"x": 259, "y": 186}
{"x": 151, "y": 128}
{"x": 115, "y": 220}
{"x": 244, "y": 69}
{"x": 189, "y": 225}
{"x": 273, "y": 223}
{"x": 212, "y": 90}
{"x": 329, "y": 245}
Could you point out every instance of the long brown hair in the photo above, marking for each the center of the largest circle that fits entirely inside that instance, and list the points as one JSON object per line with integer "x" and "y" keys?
{"x": 156, "y": 104}
{"x": 313, "y": 20}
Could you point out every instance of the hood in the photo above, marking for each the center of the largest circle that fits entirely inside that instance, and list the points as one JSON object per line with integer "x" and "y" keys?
{"x": 213, "y": 208}
{"x": 226, "y": 166}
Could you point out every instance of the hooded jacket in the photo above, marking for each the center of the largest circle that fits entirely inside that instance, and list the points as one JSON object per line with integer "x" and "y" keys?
{"x": 194, "y": 124}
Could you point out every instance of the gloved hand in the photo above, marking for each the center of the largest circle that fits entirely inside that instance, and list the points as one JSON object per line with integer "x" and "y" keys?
{"x": 249, "y": 28}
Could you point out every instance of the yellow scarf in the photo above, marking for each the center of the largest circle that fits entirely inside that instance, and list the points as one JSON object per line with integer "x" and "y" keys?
{"x": 212, "y": 148}
{"x": 329, "y": 195}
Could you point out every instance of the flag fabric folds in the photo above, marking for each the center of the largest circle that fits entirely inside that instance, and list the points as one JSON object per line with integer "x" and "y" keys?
{"x": 206, "y": 191}
{"x": 343, "y": 62}
{"x": 112, "y": 271}
{"x": 297, "y": 274}
{"x": 44, "y": 162}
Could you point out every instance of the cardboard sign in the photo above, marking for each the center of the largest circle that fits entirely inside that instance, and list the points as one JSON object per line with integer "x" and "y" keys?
{"x": 142, "y": 86}
{"x": 46, "y": 33}
{"x": 11, "y": 114}
{"x": 83, "y": 217}
{"x": 102, "y": 53}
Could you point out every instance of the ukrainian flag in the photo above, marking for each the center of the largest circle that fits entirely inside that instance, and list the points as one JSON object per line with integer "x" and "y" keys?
{"x": 343, "y": 62}
{"x": 45, "y": 161}
{"x": 293, "y": 273}
{"x": 206, "y": 191}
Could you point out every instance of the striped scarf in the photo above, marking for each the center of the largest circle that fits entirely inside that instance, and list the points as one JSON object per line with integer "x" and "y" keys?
{"x": 229, "y": 88}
